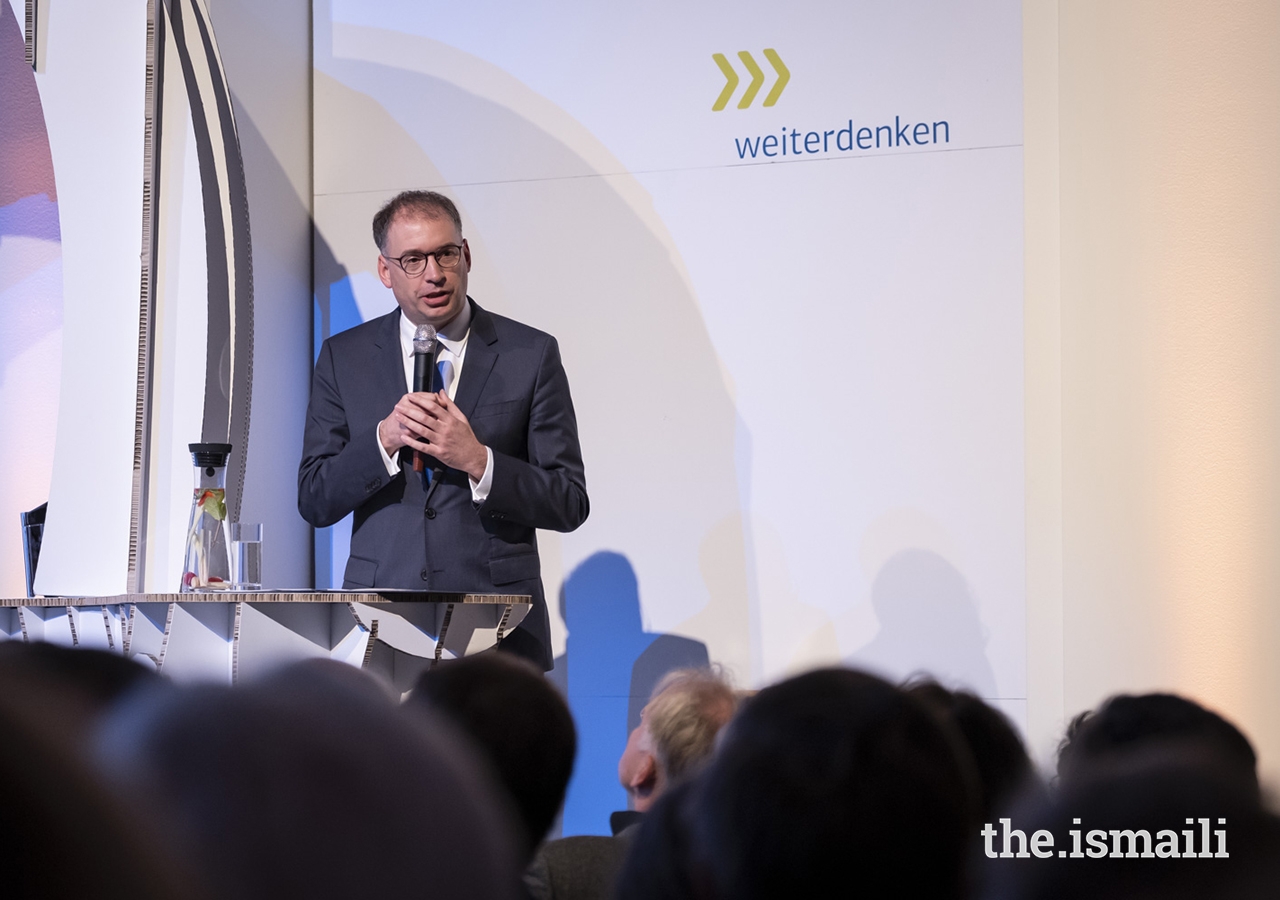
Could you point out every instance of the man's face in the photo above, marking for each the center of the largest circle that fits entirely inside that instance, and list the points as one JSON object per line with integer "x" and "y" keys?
{"x": 436, "y": 296}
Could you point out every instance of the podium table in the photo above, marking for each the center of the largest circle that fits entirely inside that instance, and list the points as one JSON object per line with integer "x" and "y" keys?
{"x": 227, "y": 635}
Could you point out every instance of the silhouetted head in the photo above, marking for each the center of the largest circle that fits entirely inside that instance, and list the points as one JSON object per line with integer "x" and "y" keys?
{"x": 999, "y": 757}
{"x": 92, "y": 679}
{"x": 661, "y": 863}
{"x": 1115, "y": 830}
{"x": 676, "y": 734}
{"x": 312, "y": 783}
{"x": 64, "y": 834}
{"x": 508, "y": 708}
{"x": 835, "y": 777}
{"x": 1126, "y": 723}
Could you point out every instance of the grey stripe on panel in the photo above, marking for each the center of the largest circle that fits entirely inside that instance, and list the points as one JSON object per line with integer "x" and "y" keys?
{"x": 229, "y": 347}
{"x": 218, "y": 341}
{"x": 29, "y": 32}
{"x": 241, "y": 256}
{"x": 153, "y": 100}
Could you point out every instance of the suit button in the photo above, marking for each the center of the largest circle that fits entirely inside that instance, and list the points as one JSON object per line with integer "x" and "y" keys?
{"x": 423, "y": 573}
{"x": 431, "y": 513}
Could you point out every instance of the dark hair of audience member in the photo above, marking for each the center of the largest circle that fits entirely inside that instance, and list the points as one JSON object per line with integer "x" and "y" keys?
{"x": 1114, "y": 825}
{"x": 85, "y": 681}
{"x": 835, "y": 777}
{"x": 64, "y": 834}
{"x": 312, "y": 783}
{"x": 1125, "y": 723}
{"x": 509, "y": 709}
{"x": 999, "y": 756}
{"x": 660, "y": 862}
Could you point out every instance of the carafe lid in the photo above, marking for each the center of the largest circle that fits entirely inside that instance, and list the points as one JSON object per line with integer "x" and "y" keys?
{"x": 205, "y": 455}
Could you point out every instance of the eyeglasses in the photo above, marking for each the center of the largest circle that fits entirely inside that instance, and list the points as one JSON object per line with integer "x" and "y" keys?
{"x": 414, "y": 263}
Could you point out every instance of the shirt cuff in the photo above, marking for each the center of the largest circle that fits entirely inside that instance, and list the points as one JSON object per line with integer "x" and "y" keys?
{"x": 480, "y": 490}
{"x": 393, "y": 462}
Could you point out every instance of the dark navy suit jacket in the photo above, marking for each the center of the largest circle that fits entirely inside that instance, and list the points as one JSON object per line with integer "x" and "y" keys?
{"x": 405, "y": 534}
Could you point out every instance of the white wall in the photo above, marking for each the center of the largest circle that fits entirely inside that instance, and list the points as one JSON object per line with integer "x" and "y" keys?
{"x": 1156, "y": 517}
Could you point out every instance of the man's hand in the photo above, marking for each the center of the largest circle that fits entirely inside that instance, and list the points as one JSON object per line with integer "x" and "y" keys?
{"x": 431, "y": 423}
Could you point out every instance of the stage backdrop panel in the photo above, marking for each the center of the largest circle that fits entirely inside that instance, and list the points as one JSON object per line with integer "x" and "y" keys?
{"x": 92, "y": 86}
{"x": 789, "y": 304}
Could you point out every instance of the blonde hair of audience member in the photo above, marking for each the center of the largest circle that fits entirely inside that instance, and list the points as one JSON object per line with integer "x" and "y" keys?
{"x": 676, "y": 734}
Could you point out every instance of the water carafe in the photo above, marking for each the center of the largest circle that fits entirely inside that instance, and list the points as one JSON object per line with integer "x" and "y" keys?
{"x": 207, "y": 565}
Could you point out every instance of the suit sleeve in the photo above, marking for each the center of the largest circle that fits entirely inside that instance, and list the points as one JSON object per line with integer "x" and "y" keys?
{"x": 549, "y": 489}
{"x": 339, "y": 470}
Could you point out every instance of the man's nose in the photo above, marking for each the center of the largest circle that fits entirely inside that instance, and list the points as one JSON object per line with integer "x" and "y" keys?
{"x": 433, "y": 272}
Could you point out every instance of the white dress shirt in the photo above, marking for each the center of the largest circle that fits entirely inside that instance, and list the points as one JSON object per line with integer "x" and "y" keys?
{"x": 453, "y": 349}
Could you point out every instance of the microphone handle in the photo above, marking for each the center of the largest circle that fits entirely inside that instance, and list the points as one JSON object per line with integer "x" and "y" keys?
{"x": 424, "y": 380}
{"x": 423, "y": 371}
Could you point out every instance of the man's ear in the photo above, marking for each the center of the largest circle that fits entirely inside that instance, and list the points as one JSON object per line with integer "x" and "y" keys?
{"x": 384, "y": 271}
{"x": 645, "y": 775}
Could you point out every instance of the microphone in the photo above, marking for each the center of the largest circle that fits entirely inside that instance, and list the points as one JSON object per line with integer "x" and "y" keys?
{"x": 424, "y": 373}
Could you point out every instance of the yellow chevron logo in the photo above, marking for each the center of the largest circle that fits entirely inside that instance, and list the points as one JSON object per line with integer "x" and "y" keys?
{"x": 757, "y": 79}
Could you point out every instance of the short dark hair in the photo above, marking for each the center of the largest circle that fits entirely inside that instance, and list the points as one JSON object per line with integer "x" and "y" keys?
{"x": 54, "y": 801}
{"x": 830, "y": 777}
{"x": 97, "y": 677}
{"x": 427, "y": 204}
{"x": 1129, "y": 722}
{"x": 661, "y": 863}
{"x": 305, "y": 782}
{"x": 510, "y": 710}
{"x": 999, "y": 756}
{"x": 1139, "y": 800}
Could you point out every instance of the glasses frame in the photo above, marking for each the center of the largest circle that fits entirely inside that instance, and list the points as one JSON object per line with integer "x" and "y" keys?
{"x": 427, "y": 256}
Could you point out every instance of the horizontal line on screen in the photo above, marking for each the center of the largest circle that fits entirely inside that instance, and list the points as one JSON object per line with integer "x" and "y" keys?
{"x": 730, "y": 165}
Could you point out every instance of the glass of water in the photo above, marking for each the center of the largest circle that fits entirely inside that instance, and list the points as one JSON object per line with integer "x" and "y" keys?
{"x": 246, "y": 556}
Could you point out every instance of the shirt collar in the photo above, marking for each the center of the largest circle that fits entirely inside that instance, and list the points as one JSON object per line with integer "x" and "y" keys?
{"x": 453, "y": 336}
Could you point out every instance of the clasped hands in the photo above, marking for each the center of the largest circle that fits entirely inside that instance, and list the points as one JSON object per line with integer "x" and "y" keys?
{"x": 433, "y": 424}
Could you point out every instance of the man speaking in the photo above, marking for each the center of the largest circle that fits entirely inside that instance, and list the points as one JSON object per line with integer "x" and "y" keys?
{"x": 498, "y": 436}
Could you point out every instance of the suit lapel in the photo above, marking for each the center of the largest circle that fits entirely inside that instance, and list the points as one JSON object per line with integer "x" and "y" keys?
{"x": 482, "y": 353}
{"x": 388, "y": 363}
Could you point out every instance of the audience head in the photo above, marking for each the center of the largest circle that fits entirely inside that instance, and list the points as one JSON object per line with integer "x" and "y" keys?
{"x": 65, "y": 835}
{"x": 312, "y": 783}
{"x": 74, "y": 685}
{"x": 1127, "y": 723}
{"x": 834, "y": 777}
{"x": 676, "y": 734}
{"x": 1000, "y": 760}
{"x": 509, "y": 709}
{"x": 661, "y": 864}
{"x": 1116, "y": 825}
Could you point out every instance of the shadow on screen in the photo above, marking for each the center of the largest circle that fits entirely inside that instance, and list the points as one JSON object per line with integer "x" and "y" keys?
{"x": 929, "y": 623}
{"x": 609, "y": 668}
{"x": 334, "y": 310}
